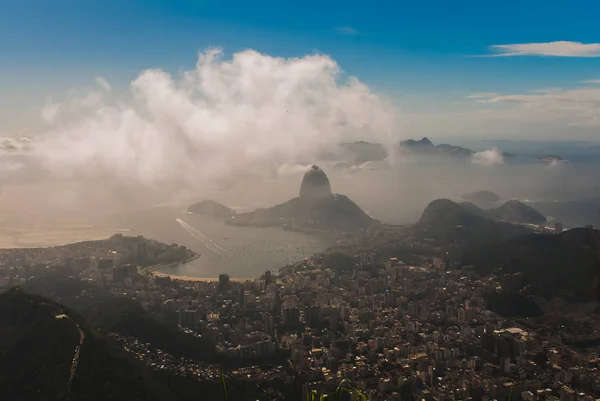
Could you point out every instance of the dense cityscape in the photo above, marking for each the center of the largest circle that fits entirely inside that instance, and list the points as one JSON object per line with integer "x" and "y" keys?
{"x": 379, "y": 325}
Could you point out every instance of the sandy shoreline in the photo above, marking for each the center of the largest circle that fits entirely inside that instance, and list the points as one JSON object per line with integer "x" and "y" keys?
{"x": 204, "y": 279}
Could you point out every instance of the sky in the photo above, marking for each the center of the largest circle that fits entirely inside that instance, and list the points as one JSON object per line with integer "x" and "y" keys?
{"x": 469, "y": 69}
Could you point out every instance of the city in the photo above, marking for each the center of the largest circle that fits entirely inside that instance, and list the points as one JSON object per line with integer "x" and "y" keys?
{"x": 389, "y": 329}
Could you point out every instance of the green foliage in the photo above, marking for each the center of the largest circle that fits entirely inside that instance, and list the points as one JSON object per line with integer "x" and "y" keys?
{"x": 562, "y": 265}
{"x": 339, "y": 262}
{"x": 37, "y": 351}
{"x": 126, "y": 316}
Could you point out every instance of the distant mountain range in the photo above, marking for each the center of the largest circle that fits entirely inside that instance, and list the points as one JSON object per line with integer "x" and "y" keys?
{"x": 359, "y": 152}
{"x": 511, "y": 211}
{"x": 550, "y": 159}
{"x": 424, "y": 146}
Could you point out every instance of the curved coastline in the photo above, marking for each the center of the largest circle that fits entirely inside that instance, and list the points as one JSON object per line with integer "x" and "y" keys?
{"x": 154, "y": 268}
{"x": 155, "y": 271}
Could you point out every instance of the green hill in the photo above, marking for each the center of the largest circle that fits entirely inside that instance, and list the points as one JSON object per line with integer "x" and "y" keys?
{"x": 211, "y": 208}
{"x": 446, "y": 222}
{"x": 47, "y": 352}
{"x": 517, "y": 212}
{"x": 563, "y": 265}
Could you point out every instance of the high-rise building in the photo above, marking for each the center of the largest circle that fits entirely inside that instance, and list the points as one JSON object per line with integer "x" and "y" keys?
{"x": 291, "y": 316}
{"x": 189, "y": 318}
{"x": 505, "y": 364}
{"x": 268, "y": 278}
{"x": 268, "y": 323}
{"x": 139, "y": 251}
{"x": 223, "y": 282}
{"x": 558, "y": 228}
{"x": 312, "y": 315}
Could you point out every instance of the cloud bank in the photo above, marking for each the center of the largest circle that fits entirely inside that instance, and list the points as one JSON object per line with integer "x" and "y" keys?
{"x": 488, "y": 157}
{"x": 557, "y": 49}
{"x": 220, "y": 119}
{"x": 13, "y": 145}
{"x": 574, "y": 107}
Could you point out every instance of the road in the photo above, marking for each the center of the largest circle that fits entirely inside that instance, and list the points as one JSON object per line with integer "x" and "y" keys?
{"x": 75, "y": 359}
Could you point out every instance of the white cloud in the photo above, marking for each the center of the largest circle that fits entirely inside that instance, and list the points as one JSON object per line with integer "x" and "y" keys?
{"x": 591, "y": 81}
{"x": 558, "y": 49}
{"x": 292, "y": 169}
{"x": 8, "y": 144}
{"x": 347, "y": 30}
{"x": 488, "y": 157}
{"x": 575, "y": 106}
{"x": 50, "y": 112}
{"x": 481, "y": 95}
{"x": 225, "y": 117}
{"x": 103, "y": 83}
{"x": 547, "y": 114}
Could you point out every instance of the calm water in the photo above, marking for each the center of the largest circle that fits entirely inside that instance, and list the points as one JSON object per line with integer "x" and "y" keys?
{"x": 241, "y": 252}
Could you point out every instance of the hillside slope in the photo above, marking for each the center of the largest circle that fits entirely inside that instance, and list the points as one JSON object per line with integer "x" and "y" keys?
{"x": 446, "y": 222}
{"x": 562, "y": 265}
{"x": 47, "y": 352}
{"x": 518, "y": 212}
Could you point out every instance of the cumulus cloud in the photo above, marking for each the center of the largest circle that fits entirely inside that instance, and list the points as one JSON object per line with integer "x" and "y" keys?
{"x": 103, "y": 83}
{"x": 291, "y": 169}
{"x": 14, "y": 145}
{"x": 50, "y": 112}
{"x": 488, "y": 157}
{"x": 220, "y": 119}
{"x": 557, "y": 49}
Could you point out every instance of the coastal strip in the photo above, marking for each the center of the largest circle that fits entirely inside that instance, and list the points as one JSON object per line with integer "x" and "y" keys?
{"x": 154, "y": 268}
{"x": 155, "y": 271}
{"x": 199, "y": 279}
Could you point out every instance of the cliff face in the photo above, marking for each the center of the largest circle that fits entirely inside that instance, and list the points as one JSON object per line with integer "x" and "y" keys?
{"x": 315, "y": 184}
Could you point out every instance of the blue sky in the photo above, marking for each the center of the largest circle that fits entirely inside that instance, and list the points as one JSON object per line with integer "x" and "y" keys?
{"x": 417, "y": 52}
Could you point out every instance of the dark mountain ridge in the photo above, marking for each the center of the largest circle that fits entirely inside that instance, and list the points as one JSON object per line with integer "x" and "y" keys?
{"x": 48, "y": 352}
{"x": 462, "y": 213}
{"x": 449, "y": 222}
{"x": 563, "y": 265}
{"x": 516, "y": 211}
